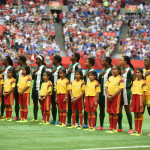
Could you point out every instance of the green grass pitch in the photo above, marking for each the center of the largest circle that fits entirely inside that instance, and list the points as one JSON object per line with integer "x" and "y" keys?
{"x": 31, "y": 135}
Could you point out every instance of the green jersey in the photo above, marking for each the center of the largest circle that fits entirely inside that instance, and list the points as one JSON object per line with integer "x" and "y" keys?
{"x": 38, "y": 78}
{"x": 56, "y": 73}
{"x": 4, "y": 74}
{"x": 75, "y": 67}
{"x": 104, "y": 78}
{"x": 87, "y": 71}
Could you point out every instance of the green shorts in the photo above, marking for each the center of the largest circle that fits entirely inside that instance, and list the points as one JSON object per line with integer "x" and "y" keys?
{"x": 126, "y": 97}
{"x": 101, "y": 100}
{"x": 35, "y": 94}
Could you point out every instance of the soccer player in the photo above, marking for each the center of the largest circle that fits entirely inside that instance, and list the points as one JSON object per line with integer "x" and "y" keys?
{"x": 76, "y": 93}
{"x": 113, "y": 88}
{"x": 45, "y": 97}
{"x": 137, "y": 103}
{"x": 24, "y": 86}
{"x": 128, "y": 76}
{"x": 91, "y": 99}
{"x": 8, "y": 63}
{"x": 37, "y": 76}
{"x": 9, "y": 87}
{"x": 71, "y": 76}
{"x": 62, "y": 92}
{"x": 55, "y": 72}
{"x": 103, "y": 77}
{"x": 89, "y": 64}
{"x": 21, "y": 61}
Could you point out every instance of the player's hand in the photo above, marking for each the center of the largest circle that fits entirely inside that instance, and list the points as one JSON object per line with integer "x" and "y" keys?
{"x": 5, "y": 94}
{"x": 70, "y": 70}
{"x": 103, "y": 72}
{"x": 109, "y": 98}
{"x": 72, "y": 100}
{"x": 84, "y": 102}
{"x": 75, "y": 99}
{"x": 56, "y": 100}
{"x": 65, "y": 100}
{"x": 123, "y": 71}
{"x": 95, "y": 103}
{"x": 141, "y": 106}
{"x": 36, "y": 70}
{"x": 20, "y": 93}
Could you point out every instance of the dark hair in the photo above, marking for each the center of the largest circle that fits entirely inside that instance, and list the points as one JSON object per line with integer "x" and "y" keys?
{"x": 43, "y": 63}
{"x": 109, "y": 60}
{"x": 94, "y": 73}
{"x": 77, "y": 55}
{"x": 80, "y": 72}
{"x": 58, "y": 58}
{"x": 9, "y": 60}
{"x": 118, "y": 68}
{"x": 148, "y": 57}
{"x": 13, "y": 72}
{"x": 91, "y": 61}
{"x": 63, "y": 70}
{"x": 127, "y": 59}
{"x": 49, "y": 75}
{"x": 27, "y": 68}
{"x": 23, "y": 58}
{"x": 141, "y": 70}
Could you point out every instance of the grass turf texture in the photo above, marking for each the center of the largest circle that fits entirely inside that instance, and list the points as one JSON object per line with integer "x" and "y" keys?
{"x": 31, "y": 135}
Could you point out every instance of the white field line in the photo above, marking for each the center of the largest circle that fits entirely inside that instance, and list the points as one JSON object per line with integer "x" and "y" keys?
{"x": 131, "y": 147}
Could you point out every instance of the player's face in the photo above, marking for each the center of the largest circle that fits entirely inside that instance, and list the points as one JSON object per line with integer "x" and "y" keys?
{"x": 38, "y": 60}
{"x": 77, "y": 76}
{"x": 104, "y": 62}
{"x": 45, "y": 77}
{"x": 146, "y": 62}
{"x": 4, "y": 61}
{"x": 122, "y": 62}
{"x": 115, "y": 71}
{"x": 73, "y": 57}
{"x": 138, "y": 74}
{"x": 61, "y": 74}
{"x": 91, "y": 77}
{"x": 9, "y": 74}
{"x": 18, "y": 61}
{"x": 54, "y": 61}
{"x": 87, "y": 64}
{"x": 24, "y": 72}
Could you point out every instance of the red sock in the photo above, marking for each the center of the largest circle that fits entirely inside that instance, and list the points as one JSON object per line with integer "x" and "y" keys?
{"x": 136, "y": 124}
{"x": 111, "y": 121}
{"x": 21, "y": 113}
{"x": 48, "y": 116}
{"x": 115, "y": 120}
{"x": 81, "y": 119}
{"x": 89, "y": 120}
{"x": 73, "y": 118}
{"x": 64, "y": 117}
{"x": 140, "y": 124}
{"x": 6, "y": 111}
{"x": 25, "y": 113}
{"x": 61, "y": 117}
{"x": 93, "y": 120}
{"x": 10, "y": 112}
{"x": 44, "y": 116}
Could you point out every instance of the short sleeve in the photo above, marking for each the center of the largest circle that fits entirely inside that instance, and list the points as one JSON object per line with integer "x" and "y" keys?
{"x": 1, "y": 80}
{"x": 144, "y": 87}
{"x": 29, "y": 81}
{"x": 83, "y": 86}
{"x": 13, "y": 83}
{"x": 121, "y": 85}
{"x": 97, "y": 87}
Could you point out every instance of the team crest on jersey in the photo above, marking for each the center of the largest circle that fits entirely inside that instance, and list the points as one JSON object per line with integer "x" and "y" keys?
{"x": 132, "y": 72}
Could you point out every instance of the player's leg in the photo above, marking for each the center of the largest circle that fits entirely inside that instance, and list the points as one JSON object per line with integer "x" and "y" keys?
{"x": 16, "y": 105}
{"x": 80, "y": 108}
{"x": 2, "y": 108}
{"x": 140, "y": 123}
{"x": 69, "y": 112}
{"x": 54, "y": 109}
{"x": 74, "y": 109}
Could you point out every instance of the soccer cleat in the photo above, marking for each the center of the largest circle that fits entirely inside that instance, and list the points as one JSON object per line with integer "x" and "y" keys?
{"x": 68, "y": 124}
{"x": 138, "y": 134}
{"x": 100, "y": 128}
{"x": 85, "y": 126}
{"x": 72, "y": 127}
{"x": 58, "y": 125}
{"x": 9, "y": 119}
{"x": 79, "y": 127}
{"x": 24, "y": 121}
{"x": 46, "y": 123}
{"x": 34, "y": 120}
{"x": 1, "y": 117}
{"x": 92, "y": 129}
{"x": 5, "y": 119}
{"x": 119, "y": 130}
{"x": 20, "y": 121}
{"x": 42, "y": 122}
{"x": 52, "y": 122}
{"x": 130, "y": 131}
{"x": 87, "y": 129}
{"x": 63, "y": 125}
{"x": 134, "y": 133}
{"x": 58, "y": 122}
{"x": 16, "y": 118}
{"x": 109, "y": 129}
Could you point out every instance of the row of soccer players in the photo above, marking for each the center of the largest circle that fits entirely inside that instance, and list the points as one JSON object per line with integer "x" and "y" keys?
{"x": 110, "y": 88}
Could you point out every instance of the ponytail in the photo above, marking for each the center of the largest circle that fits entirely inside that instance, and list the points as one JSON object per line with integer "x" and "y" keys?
{"x": 127, "y": 59}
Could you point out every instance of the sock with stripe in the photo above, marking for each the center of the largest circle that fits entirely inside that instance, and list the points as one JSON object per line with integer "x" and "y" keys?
{"x": 81, "y": 119}
{"x": 21, "y": 113}
{"x": 129, "y": 117}
{"x": 64, "y": 117}
{"x": 89, "y": 120}
{"x": 140, "y": 121}
{"x": 115, "y": 120}
{"x": 48, "y": 115}
{"x": 73, "y": 118}
{"x": 93, "y": 120}
{"x": 120, "y": 120}
{"x": 44, "y": 116}
{"x": 25, "y": 113}
{"x": 111, "y": 121}
{"x": 136, "y": 124}
{"x": 10, "y": 112}
{"x": 61, "y": 117}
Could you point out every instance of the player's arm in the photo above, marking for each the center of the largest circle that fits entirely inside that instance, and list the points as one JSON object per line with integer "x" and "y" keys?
{"x": 1, "y": 90}
{"x": 75, "y": 99}
{"x": 11, "y": 90}
{"x": 21, "y": 92}
{"x": 36, "y": 70}
{"x": 96, "y": 99}
{"x": 53, "y": 71}
{"x": 141, "y": 104}
{"x": 117, "y": 93}
{"x": 2, "y": 70}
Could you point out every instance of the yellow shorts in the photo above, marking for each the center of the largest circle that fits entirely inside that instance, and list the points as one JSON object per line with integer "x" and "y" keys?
{"x": 147, "y": 101}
